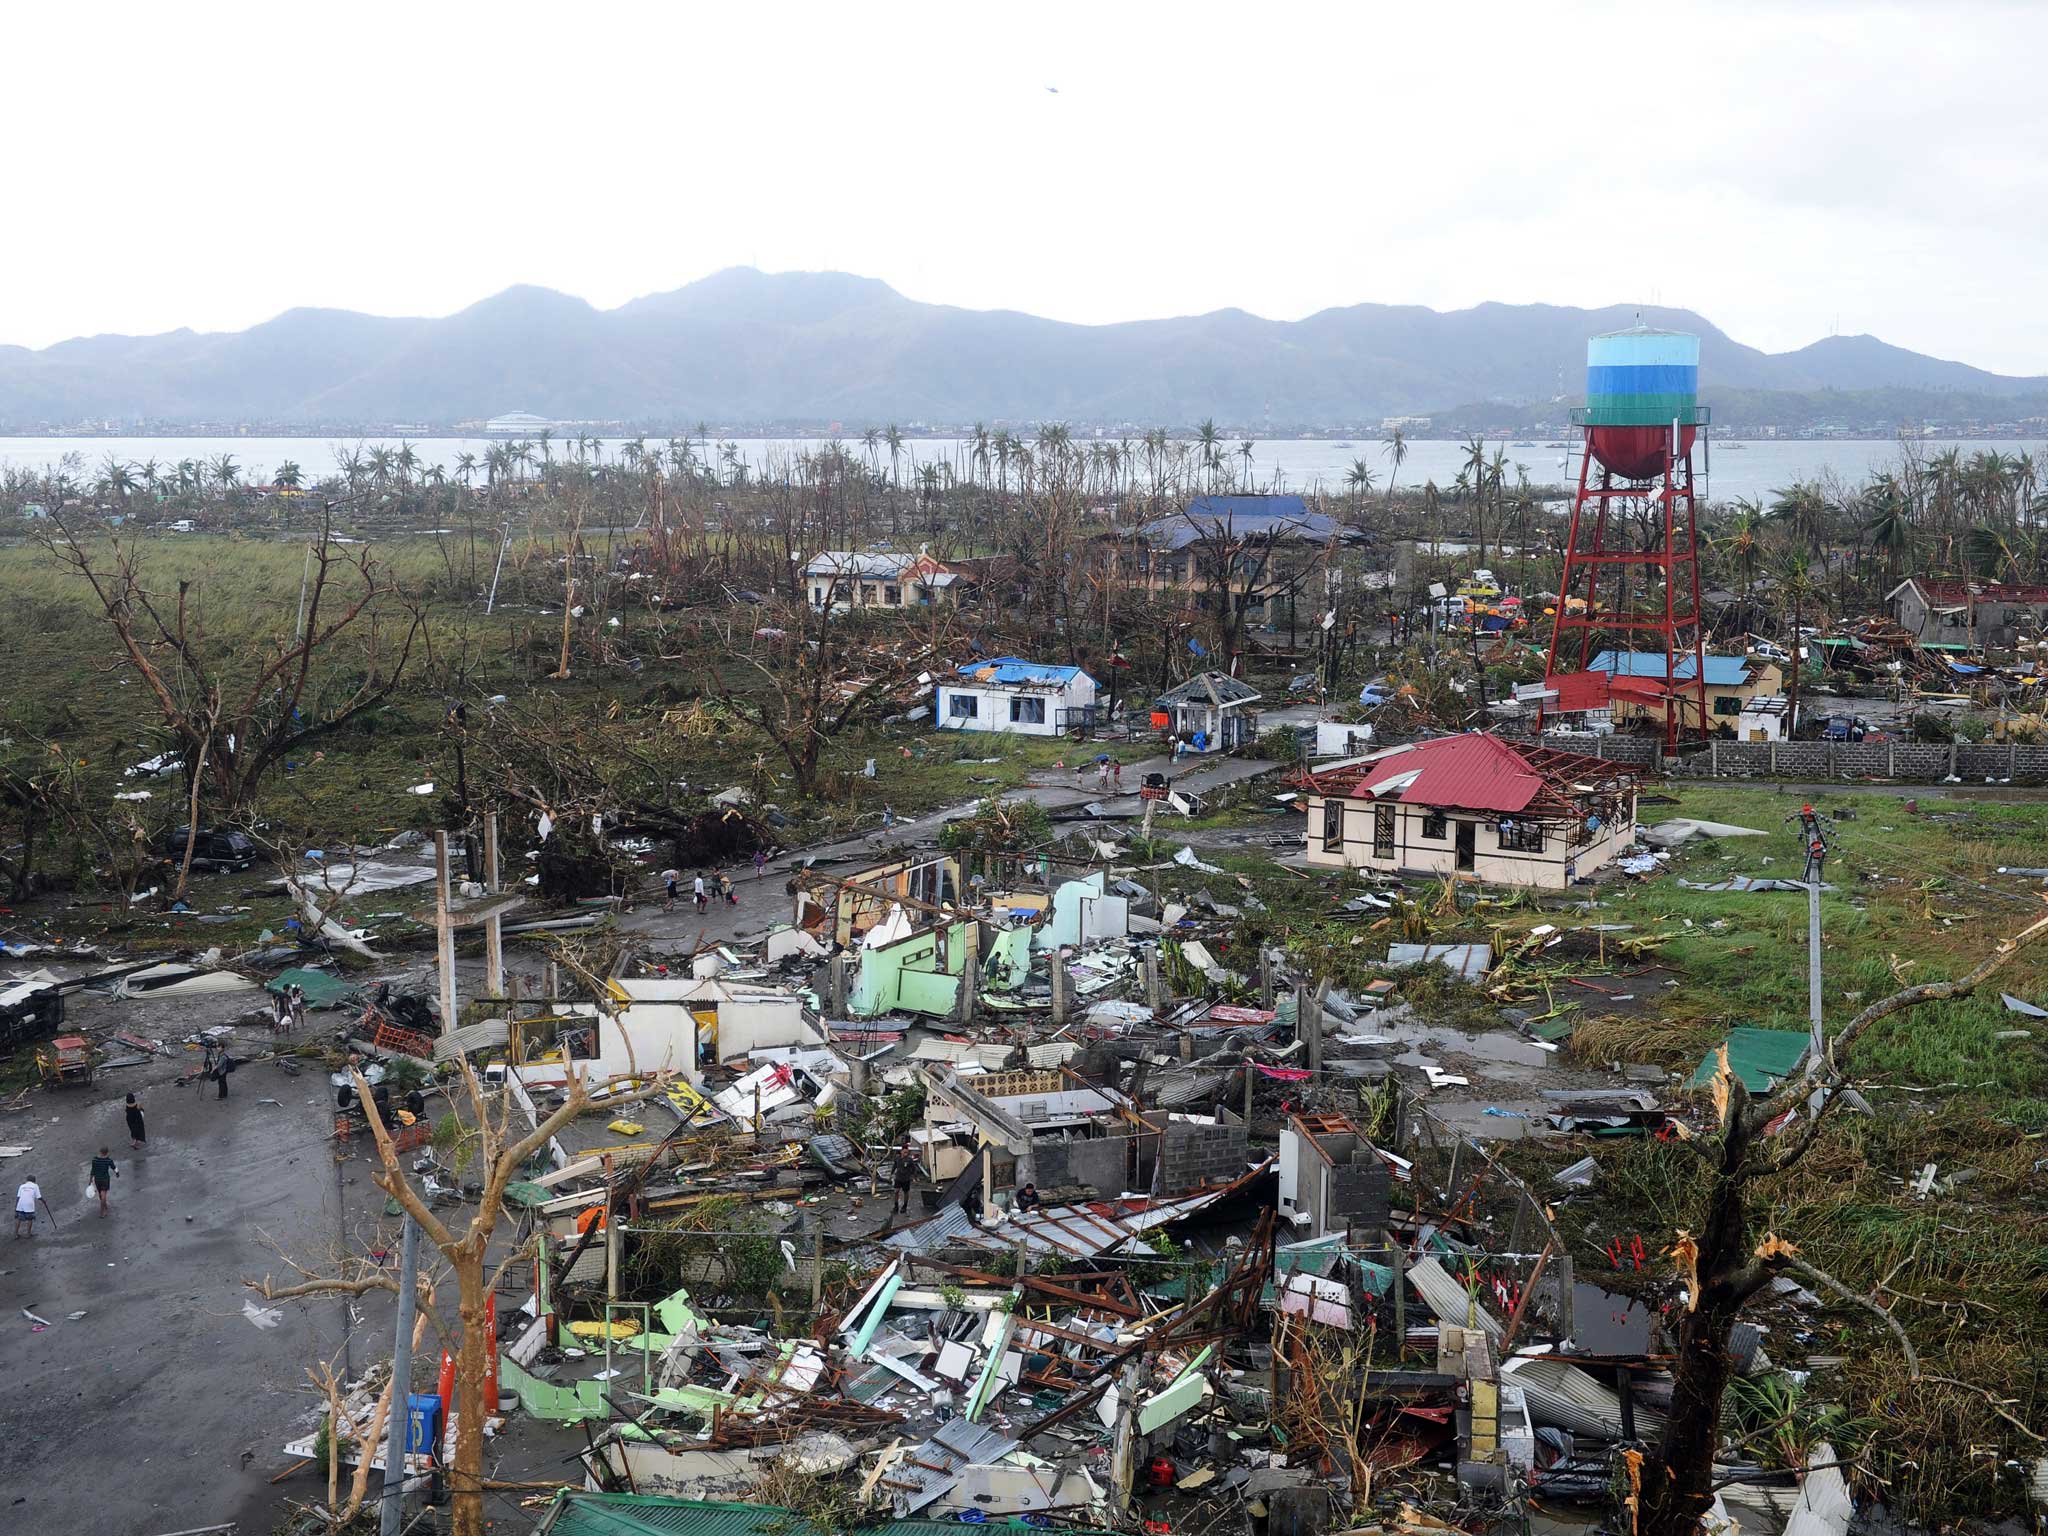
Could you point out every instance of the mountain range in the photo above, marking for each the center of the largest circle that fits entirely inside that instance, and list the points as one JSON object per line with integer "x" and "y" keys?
{"x": 815, "y": 348}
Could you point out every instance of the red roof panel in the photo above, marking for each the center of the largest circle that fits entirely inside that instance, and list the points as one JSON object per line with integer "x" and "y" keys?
{"x": 1481, "y": 772}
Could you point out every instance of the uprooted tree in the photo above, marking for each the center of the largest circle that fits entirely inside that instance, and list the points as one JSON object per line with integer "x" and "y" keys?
{"x": 821, "y": 671}
{"x": 237, "y": 699}
{"x": 499, "y": 1154}
{"x": 1754, "y": 1141}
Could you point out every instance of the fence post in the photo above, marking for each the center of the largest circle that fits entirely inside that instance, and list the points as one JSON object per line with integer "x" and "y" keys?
{"x": 2012, "y": 758}
{"x": 1774, "y": 759}
{"x": 1714, "y": 758}
{"x": 1952, "y": 760}
{"x": 1891, "y": 759}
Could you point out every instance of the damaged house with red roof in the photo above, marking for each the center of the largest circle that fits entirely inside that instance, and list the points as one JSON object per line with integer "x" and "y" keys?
{"x": 1505, "y": 812}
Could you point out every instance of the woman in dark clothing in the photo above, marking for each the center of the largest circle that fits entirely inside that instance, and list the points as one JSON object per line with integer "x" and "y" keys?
{"x": 102, "y": 1176}
{"x": 138, "y": 1135}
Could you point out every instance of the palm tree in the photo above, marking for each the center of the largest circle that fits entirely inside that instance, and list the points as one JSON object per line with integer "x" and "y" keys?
{"x": 1208, "y": 441}
{"x": 979, "y": 455}
{"x": 1474, "y": 476}
{"x": 893, "y": 436}
{"x": 406, "y": 461}
{"x": 289, "y": 476}
{"x": 465, "y": 467}
{"x": 1244, "y": 451}
{"x": 1797, "y": 587}
{"x": 1396, "y": 450}
{"x": 117, "y": 479}
{"x": 872, "y": 441}
{"x": 152, "y": 477}
{"x": 1744, "y": 543}
{"x": 380, "y": 465}
{"x": 1889, "y": 529}
{"x": 225, "y": 472}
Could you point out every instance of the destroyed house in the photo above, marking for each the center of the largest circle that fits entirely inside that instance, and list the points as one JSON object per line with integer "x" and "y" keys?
{"x": 840, "y": 908}
{"x": 879, "y": 580}
{"x": 660, "y": 1024}
{"x": 1508, "y": 812}
{"x": 1055, "y": 1129}
{"x": 1969, "y": 614}
{"x": 1024, "y": 698}
{"x": 1331, "y": 1178}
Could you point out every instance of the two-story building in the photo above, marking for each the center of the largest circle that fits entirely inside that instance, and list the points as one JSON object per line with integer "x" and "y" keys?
{"x": 1262, "y": 548}
{"x": 1478, "y": 805}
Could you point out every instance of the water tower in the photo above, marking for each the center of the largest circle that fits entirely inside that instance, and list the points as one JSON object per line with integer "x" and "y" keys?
{"x": 1631, "y": 582}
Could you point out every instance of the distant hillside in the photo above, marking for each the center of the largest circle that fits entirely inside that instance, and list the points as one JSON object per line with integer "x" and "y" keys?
{"x": 817, "y": 347}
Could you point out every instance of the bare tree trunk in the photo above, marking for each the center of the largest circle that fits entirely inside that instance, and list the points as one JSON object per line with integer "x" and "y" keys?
{"x": 192, "y": 818}
{"x": 472, "y": 1367}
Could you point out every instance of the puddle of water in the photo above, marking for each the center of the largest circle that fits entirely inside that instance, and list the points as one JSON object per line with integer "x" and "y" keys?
{"x": 1606, "y": 1324}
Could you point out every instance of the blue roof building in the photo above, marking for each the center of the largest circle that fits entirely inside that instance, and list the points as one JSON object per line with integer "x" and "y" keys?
{"x": 1007, "y": 693}
{"x": 1722, "y": 671}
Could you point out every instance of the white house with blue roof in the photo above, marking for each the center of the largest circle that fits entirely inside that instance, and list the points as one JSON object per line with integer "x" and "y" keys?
{"x": 1006, "y": 693}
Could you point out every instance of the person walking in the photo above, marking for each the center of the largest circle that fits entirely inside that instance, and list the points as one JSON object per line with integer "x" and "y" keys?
{"x": 760, "y": 862}
{"x": 727, "y": 889}
{"x": 671, "y": 883}
{"x": 906, "y": 1175}
{"x": 1101, "y": 774}
{"x": 280, "y": 1010}
{"x": 217, "y": 1066}
{"x": 102, "y": 1176}
{"x": 26, "y": 1199}
{"x": 1116, "y": 774}
{"x": 698, "y": 897}
{"x": 888, "y": 817}
{"x": 298, "y": 1006}
{"x": 138, "y": 1133}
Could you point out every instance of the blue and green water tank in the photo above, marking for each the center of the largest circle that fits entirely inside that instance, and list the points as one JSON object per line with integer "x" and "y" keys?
{"x": 1639, "y": 382}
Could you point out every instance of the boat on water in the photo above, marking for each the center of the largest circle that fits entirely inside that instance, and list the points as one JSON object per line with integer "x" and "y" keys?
{"x": 1731, "y": 447}
{"x": 1555, "y": 445}
{"x": 1521, "y": 445}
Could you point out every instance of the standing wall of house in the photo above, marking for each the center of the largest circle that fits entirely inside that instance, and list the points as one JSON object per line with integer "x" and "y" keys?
{"x": 1414, "y": 852}
{"x": 1018, "y": 712}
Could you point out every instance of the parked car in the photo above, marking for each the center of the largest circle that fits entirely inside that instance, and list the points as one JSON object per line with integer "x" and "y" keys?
{"x": 1372, "y": 695}
{"x": 1770, "y": 651}
{"x": 1845, "y": 728}
{"x": 216, "y": 849}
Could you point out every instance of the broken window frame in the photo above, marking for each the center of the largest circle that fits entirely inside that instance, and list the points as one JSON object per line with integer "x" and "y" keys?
{"x": 1383, "y": 831}
{"x": 1026, "y": 710}
{"x": 1436, "y": 826}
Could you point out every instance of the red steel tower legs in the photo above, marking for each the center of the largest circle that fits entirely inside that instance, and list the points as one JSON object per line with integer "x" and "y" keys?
{"x": 1646, "y": 533}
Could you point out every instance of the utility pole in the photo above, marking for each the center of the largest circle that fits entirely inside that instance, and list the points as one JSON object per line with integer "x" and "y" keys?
{"x": 398, "y": 1433}
{"x": 1815, "y": 836}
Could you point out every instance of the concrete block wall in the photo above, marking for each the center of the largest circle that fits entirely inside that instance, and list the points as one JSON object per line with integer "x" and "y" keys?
{"x": 1906, "y": 761}
{"x": 1202, "y": 1154}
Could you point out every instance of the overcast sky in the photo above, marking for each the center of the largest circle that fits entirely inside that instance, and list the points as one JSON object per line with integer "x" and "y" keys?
{"x": 1787, "y": 170}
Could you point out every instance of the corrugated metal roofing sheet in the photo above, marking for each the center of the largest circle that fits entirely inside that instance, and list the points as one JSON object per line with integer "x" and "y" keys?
{"x": 1569, "y": 1397}
{"x": 626, "y": 1514}
{"x": 1475, "y": 772}
{"x": 1015, "y": 670}
{"x": 1447, "y": 1298}
{"x": 1722, "y": 671}
{"x": 936, "y": 1465}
